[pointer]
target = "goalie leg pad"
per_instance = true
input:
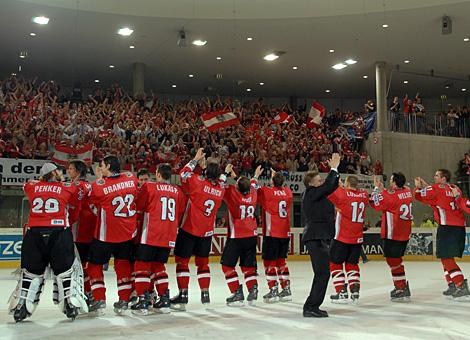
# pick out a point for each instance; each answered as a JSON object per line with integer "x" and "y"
{"x": 70, "y": 285}
{"x": 27, "y": 292}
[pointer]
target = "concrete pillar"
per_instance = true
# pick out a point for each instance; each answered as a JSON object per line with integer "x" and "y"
{"x": 138, "y": 77}
{"x": 381, "y": 96}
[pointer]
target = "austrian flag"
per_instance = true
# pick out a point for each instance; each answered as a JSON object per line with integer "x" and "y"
{"x": 64, "y": 154}
{"x": 282, "y": 118}
{"x": 316, "y": 114}
{"x": 219, "y": 119}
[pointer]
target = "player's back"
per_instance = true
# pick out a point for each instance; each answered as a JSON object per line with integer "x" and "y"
{"x": 114, "y": 198}
{"x": 204, "y": 199}
{"x": 398, "y": 217}
{"x": 276, "y": 204}
{"x": 241, "y": 212}
{"x": 351, "y": 207}
{"x": 446, "y": 208}
{"x": 84, "y": 220}
{"x": 161, "y": 204}
{"x": 50, "y": 203}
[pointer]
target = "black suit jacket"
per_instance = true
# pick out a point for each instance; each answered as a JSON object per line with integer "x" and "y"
{"x": 318, "y": 211}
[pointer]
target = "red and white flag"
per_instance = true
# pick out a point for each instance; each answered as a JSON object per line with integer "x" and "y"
{"x": 316, "y": 114}
{"x": 219, "y": 119}
{"x": 64, "y": 154}
{"x": 282, "y": 118}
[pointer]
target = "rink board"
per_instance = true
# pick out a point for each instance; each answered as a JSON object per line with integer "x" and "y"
{"x": 421, "y": 246}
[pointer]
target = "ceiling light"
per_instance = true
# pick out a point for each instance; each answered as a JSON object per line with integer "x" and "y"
{"x": 466, "y": 39}
{"x": 97, "y": 80}
{"x": 350, "y": 61}
{"x": 295, "y": 68}
{"x": 405, "y": 82}
{"x": 406, "y": 61}
{"x": 385, "y": 25}
{"x": 191, "y": 75}
{"x": 132, "y": 46}
{"x": 261, "y": 83}
{"x": 23, "y": 54}
{"x": 218, "y": 58}
{"x": 365, "y": 76}
{"x": 173, "y": 86}
{"x": 463, "y": 90}
{"x": 327, "y": 91}
{"x": 339, "y": 66}
{"x": 32, "y": 34}
{"x": 248, "y": 90}
{"x": 125, "y": 31}
{"x": 447, "y": 86}
{"x": 13, "y": 74}
{"x": 199, "y": 42}
{"x": 271, "y": 57}
{"x": 249, "y": 39}
{"x": 111, "y": 66}
{"x": 332, "y": 51}
{"x": 41, "y": 20}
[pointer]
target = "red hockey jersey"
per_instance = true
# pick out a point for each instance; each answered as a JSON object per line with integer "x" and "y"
{"x": 241, "y": 212}
{"x": 162, "y": 205}
{"x": 443, "y": 203}
{"x": 464, "y": 204}
{"x": 276, "y": 204}
{"x": 83, "y": 219}
{"x": 114, "y": 197}
{"x": 350, "y": 213}
{"x": 204, "y": 199}
{"x": 396, "y": 206}
{"x": 50, "y": 203}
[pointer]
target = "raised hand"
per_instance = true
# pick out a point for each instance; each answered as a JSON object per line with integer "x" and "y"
{"x": 199, "y": 155}
{"x": 334, "y": 161}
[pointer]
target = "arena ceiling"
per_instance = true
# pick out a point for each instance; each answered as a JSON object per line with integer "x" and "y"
{"x": 80, "y": 43}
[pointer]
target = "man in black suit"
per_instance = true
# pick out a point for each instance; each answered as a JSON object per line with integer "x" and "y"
{"x": 319, "y": 214}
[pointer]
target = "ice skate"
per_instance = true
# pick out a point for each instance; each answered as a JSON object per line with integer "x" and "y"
{"x": 462, "y": 294}
{"x": 205, "y": 299}
{"x": 354, "y": 290}
{"x": 141, "y": 307}
{"x": 180, "y": 301}
{"x": 272, "y": 296}
{"x": 285, "y": 295}
{"x": 97, "y": 308}
{"x": 237, "y": 298}
{"x": 120, "y": 307}
{"x": 162, "y": 305}
{"x": 450, "y": 290}
{"x": 252, "y": 295}
{"x": 341, "y": 297}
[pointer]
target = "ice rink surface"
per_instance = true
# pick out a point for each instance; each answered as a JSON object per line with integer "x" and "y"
{"x": 427, "y": 316}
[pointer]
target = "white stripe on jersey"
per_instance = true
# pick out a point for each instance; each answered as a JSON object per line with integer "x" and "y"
{"x": 145, "y": 228}
{"x": 337, "y": 224}
{"x": 268, "y": 223}
{"x": 442, "y": 215}
{"x": 102, "y": 236}
{"x": 390, "y": 226}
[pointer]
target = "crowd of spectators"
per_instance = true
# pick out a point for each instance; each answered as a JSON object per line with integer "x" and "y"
{"x": 147, "y": 130}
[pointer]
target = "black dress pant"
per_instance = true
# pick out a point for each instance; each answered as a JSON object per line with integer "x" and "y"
{"x": 319, "y": 251}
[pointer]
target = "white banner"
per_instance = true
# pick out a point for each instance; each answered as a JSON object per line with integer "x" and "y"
{"x": 16, "y": 172}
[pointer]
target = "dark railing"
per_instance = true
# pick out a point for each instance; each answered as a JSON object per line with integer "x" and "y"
{"x": 430, "y": 123}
